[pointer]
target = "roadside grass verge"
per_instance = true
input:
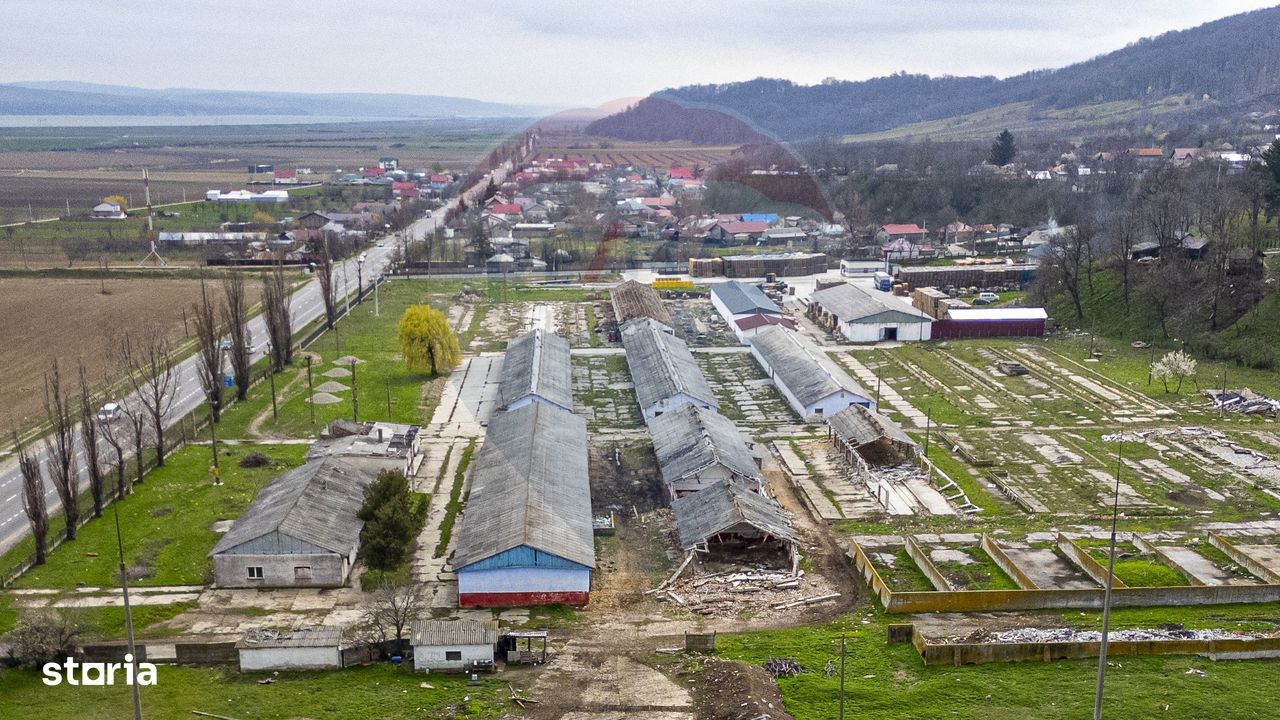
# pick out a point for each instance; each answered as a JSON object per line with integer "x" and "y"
{"x": 166, "y": 523}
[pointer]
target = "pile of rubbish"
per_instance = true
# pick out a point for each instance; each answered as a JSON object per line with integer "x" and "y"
{"x": 1050, "y": 635}
{"x": 727, "y": 593}
{"x": 1245, "y": 401}
{"x": 782, "y": 667}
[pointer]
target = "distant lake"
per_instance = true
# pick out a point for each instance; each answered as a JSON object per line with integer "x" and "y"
{"x": 18, "y": 121}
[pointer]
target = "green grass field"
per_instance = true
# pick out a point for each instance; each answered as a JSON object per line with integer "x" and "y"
{"x": 381, "y": 691}
{"x": 166, "y": 523}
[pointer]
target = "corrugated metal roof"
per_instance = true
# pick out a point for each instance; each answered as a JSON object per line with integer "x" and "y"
{"x": 454, "y": 632}
{"x": 691, "y": 438}
{"x": 537, "y": 363}
{"x": 316, "y": 503}
{"x": 720, "y": 507}
{"x": 661, "y": 364}
{"x": 742, "y": 298}
{"x": 304, "y": 638}
{"x": 851, "y": 304}
{"x": 803, "y": 368}
{"x": 530, "y": 487}
{"x": 1005, "y": 313}
{"x": 633, "y": 300}
{"x": 860, "y": 426}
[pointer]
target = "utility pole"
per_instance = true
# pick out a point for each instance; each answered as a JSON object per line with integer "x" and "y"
{"x": 128, "y": 615}
{"x": 311, "y": 393}
{"x": 274, "y": 416}
{"x": 928, "y": 428}
{"x": 355, "y": 395}
{"x": 213, "y": 440}
{"x": 388, "y": 398}
{"x": 1106, "y": 598}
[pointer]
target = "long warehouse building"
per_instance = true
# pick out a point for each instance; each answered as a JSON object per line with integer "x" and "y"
{"x": 811, "y": 382}
{"x": 526, "y": 536}
{"x": 536, "y": 368}
{"x": 664, "y": 372}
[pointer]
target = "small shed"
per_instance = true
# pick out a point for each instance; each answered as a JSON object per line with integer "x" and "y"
{"x": 307, "y": 649}
{"x": 453, "y": 644}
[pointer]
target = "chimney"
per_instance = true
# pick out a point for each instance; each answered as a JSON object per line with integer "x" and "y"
{"x": 379, "y": 434}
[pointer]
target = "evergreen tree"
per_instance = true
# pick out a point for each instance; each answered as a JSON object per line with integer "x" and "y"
{"x": 1003, "y": 149}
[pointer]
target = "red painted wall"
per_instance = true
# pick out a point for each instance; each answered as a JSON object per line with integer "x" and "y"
{"x": 522, "y": 599}
{"x": 951, "y": 329}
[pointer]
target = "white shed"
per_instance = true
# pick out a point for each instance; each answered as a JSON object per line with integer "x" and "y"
{"x": 311, "y": 649}
{"x": 453, "y": 644}
{"x": 861, "y": 317}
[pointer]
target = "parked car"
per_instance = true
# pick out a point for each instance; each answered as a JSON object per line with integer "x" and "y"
{"x": 109, "y": 412}
{"x": 986, "y": 298}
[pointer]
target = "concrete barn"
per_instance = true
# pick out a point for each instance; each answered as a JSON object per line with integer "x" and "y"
{"x": 310, "y": 649}
{"x": 633, "y": 300}
{"x": 452, "y": 644}
{"x": 697, "y": 448}
{"x": 663, "y": 370}
{"x": 811, "y": 382}
{"x": 536, "y": 369}
{"x": 735, "y": 300}
{"x": 526, "y": 536}
{"x": 727, "y": 515}
{"x": 300, "y": 531}
{"x": 860, "y": 317}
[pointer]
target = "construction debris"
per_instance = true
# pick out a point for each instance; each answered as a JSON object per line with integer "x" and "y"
{"x": 1244, "y": 401}
{"x": 782, "y": 667}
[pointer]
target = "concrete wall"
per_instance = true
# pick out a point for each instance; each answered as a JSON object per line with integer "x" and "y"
{"x": 293, "y": 658}
{"x": 211, "y": 653}
{"x": 1083, "y": 560}
{"x": 433, "y": 657}
{"x": 977, "y": 653}
{"x": 279, "y": 571}
{"x": 921, "y": 558}
{"x": 1243, "y": 558}
{"x": 516, "y": 587}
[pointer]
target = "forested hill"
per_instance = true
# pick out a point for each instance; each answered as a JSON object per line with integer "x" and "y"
{"x": 1231, "y": 61}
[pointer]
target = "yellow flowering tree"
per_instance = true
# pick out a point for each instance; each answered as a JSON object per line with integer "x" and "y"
{"x": 427, "y": 342}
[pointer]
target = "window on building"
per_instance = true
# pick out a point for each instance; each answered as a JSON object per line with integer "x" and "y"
{"x": 255, "y": 572}
{"x": 302, "y": 572}
{"x": 452, "y": 654}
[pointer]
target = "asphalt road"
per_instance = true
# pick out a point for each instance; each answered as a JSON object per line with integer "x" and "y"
{"x": 305, "y": 305}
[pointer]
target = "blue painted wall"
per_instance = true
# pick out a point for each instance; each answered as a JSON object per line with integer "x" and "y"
{"x": 523, "y": 557}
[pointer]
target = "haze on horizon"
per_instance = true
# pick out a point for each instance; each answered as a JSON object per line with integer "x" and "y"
{"x": 560, "y": 52}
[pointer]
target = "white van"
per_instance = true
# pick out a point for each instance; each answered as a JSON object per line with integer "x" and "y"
{"x": 109, "y": 412}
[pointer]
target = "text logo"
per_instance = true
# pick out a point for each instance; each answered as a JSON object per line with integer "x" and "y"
{"x": 97, "y": 673}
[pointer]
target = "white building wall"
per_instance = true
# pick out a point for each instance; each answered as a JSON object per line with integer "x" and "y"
{"x": 524, "y": 580}
{"x": 874, "y": 332}
{"x": 295, "y": 658}
{"x": 834, "y": 403}
{"x": 231, "y": 570}
{"x": 433, "y": 657}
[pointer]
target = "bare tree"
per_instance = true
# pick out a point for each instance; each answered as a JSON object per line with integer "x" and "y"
{"x": 33, "y": 502}
{"x": 324, "y": 272}
{"x": 1123, "y": 232}
{"x": 112, "y": 433}
{"x": 237, "y": 315}
{"x": 89, "y": 440}
{"x": 275, "y": 308}
{"x": 209, "y": 334}
{"x": 154, "y": 378}
{"x": 60, "y": 448}
{"x": 396, "y": 605}
{"x": 1166, "y": 201}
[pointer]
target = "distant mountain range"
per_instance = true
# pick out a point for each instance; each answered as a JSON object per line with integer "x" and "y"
{"x": 1220, "y": 65}
{"x": 77, "y": 98}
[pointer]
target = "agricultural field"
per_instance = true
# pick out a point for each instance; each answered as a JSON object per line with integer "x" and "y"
{"x": 37, "y": 328}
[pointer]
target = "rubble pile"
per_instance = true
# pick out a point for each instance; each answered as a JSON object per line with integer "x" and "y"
{"x": 782, "y": 667}
{"x": 756, "y": 588}
{"x": 1049, "y": 635}
{"x": 1243, "y": 401}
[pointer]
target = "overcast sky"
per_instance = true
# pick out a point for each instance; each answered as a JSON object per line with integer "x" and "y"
{"x": 560, "y": 52}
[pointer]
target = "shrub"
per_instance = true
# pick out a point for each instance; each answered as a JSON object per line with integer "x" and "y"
{"x": 255, "y": 460}
{"x": 43, "y": 636}
{"x": 1253, "y": 352}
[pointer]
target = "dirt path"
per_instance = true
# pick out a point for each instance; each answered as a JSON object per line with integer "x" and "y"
{"x": 254, "y": 428}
